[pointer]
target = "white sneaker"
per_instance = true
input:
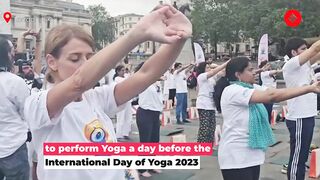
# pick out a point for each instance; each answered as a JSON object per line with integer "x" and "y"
{"x": 284, "y": 169}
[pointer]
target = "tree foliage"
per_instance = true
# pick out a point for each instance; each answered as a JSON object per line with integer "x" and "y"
{"x": 222, "y": 20}
{"x": 102, "y": 26}
{"x": 215, "y": 21}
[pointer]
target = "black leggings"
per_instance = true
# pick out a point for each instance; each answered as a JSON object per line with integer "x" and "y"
{"x": 249, "y": 173}
{"x": 172, "y": 95}
{"x": 207, "y": 126}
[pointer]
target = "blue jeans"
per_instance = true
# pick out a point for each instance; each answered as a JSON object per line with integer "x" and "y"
{"x": 181, "y": 108}
{"x": 15, "y": 166}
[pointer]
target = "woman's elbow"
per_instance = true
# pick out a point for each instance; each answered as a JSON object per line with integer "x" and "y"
{"x": 78, "y": 83}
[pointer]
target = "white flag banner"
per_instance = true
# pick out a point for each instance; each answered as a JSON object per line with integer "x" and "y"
{"x": 263, "y": 49}
{"x": 198, "y": 52}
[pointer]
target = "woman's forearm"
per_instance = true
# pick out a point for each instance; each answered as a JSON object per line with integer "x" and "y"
{"x": 150, "y": 72}
{"x": 216, "y": 70}
{"x": 157, "y": 64}
{"x": 278, "y": 95}
{"x": 37, "y": 58}
{"x": 102, "y": 62}
{"x": 20, "y": 44}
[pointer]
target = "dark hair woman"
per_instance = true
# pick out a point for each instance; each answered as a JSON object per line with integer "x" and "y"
{"x": 205, "y": 104}
{"x": 119, "y": 72}
{"x": 246, "y": 130}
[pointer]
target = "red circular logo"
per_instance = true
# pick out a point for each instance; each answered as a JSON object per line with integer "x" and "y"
{"x": 292, "y": 18}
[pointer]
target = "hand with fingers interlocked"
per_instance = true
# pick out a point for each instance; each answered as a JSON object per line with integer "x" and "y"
{"x": 164, "y": 25}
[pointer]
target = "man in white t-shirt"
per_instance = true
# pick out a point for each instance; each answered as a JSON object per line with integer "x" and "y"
{"x": 180, "y": 77}
{"x": 13, "y": 135}
{"x": 302, "y": 110}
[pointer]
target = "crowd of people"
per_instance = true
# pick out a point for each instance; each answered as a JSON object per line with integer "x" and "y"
{"x": 73, "y": 100}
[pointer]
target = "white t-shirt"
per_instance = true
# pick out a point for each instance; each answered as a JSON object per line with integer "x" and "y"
{"x": 110, "y": 75}
{"x": 84, "y": 121}
{"x": 119, "y": 79}
{"x": 267, "y": 80}
{"x": 108, "y": 78}
{"x": 151, "y": 99}
{"x": 181, "y": 82}
{"x": 126, "y": 75}
{"x": 13, "y": 93}
{"x": 169, "y": 82}
{"x": 234, "y": 151}
{"x": 205, "y": 92}
{"x": 296, "y": 76}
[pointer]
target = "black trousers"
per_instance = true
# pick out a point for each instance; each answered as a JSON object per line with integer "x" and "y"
{"x": 249, "y": 173}
{"x": 148, "y": 123}
{"x": 172, "y": 95}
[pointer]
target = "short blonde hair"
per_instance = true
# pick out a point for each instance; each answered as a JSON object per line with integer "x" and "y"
{"x": 59, "y": 36}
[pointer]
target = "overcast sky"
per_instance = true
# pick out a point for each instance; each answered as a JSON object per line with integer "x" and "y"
{"x": 118, "y": 7}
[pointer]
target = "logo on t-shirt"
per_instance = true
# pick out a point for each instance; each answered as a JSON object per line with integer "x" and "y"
{"x": 95, "y": 132}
